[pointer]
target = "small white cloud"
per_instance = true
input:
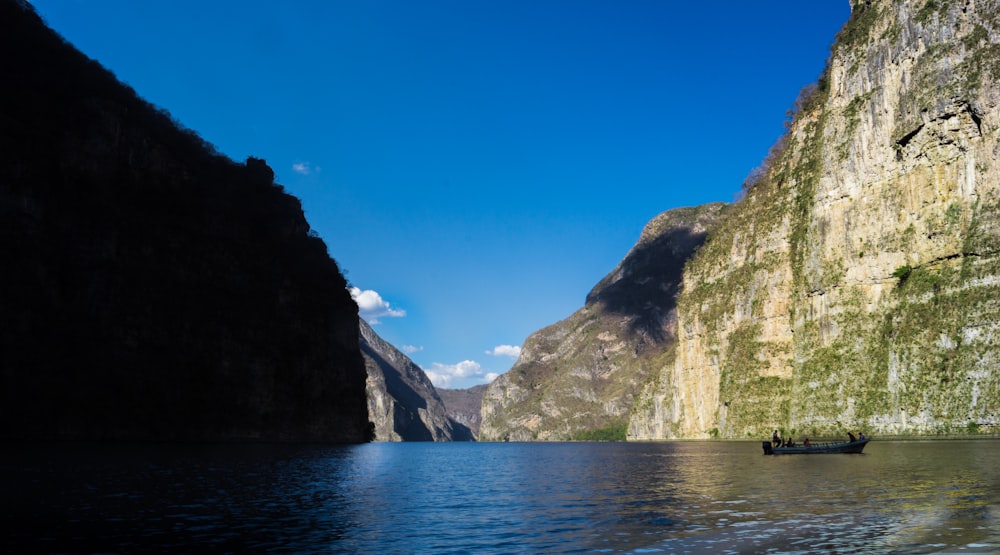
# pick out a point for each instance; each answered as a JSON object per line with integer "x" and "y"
{"x": 490, "y": 376}
{"x": 410, "y": 349}
{"x": 512, "y": 351}
{"x": 371, "y": 306}
{"x": 304, "y": 168}
{"x": 442, "y": 375}
{"x": 439, "y": 380}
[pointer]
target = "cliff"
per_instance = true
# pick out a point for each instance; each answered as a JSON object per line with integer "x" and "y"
{"x": 152, "y": 289}
{"x": 856, "y": 284}
{"x": 578, "y": 379}
{"x": 465, "y": 406}
{"x": 402, "y": 402}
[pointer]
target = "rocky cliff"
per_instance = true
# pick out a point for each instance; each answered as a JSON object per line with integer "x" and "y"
{"x": 465, "y": 406}
{"x": 150, "y": 288}
{"x": 856, "y": 285}
{"x": 578, "y": 379}
{"x": 402, "y": 402}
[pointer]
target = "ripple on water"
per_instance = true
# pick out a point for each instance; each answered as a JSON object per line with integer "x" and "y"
{"x": 505, "y": 498}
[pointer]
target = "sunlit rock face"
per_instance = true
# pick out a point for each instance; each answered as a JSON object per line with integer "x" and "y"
{"x": 856, "y": 284}
{"x": 150, "y": 288}
{"x": 402, "y": 402}
{"x": 578, "y": 379}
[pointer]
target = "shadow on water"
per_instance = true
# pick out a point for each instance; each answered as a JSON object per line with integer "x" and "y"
{"x": 692, "y": 497}
{"x": 82, "y": 498}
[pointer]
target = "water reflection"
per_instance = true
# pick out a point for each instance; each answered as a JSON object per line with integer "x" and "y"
{"x": 130, "y": 498}
{"x": 900, "y": 497}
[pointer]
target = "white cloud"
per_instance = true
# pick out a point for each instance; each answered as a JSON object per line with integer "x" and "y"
{"x": 512, "y": 351}
{"x": 490, "y": 376}
{"x": 304, "y": 168}
{"x": 442, "y": 375}
{"x": 439, "y": 380}
{"x": 371, "y": 306}
{"x": 410, "y": 349}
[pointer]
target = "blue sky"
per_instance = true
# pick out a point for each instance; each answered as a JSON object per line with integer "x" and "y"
{"x": 475, "y": 166}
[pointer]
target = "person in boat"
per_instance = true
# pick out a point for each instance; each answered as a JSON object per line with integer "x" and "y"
{"x": 776, "y": 439}
{"x": 806, "y": 442}
{"x": 851, "y": 436}
{"x": 861, "y": 436}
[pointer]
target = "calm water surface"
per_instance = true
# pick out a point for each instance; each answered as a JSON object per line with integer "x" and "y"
{"x": 689, "y": 497}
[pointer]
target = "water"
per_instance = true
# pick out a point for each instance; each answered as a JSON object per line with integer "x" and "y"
{"x": 689, "y": 497}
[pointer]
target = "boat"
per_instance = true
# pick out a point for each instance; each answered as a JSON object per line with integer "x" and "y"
{"x": 856, "y": 446}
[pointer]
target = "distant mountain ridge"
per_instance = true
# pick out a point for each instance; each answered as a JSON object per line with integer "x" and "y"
{"x": 580, "y": 377}
{"x": 465, "y": 405}
{"x": 153, "y": 289}
{"x": 403, "y": 404}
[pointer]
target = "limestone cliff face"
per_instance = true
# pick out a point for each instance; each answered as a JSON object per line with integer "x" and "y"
{"x": 402, "y": 402}
{"x": 579, "y": 377}
{"x": 856, "y": 284}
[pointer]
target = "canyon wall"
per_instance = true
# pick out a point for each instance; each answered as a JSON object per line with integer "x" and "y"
{"x": 150, "y": 288}
{"x": 856, "y": 284}
{"x": 403, "y": 404}
{"x": 578, "y": 378}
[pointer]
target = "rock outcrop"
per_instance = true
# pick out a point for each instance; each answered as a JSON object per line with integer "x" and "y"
{"x": 578, "y": 379}
{"x": 856, "y": 285}
{"x": 402, "y": 402}
{"x": 465, "y": 406}
{"x": 152, "y": 289}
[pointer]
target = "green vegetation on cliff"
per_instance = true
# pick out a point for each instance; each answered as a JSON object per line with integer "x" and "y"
{"x": 855, "y": 284}
{"x": 611, "y": 432}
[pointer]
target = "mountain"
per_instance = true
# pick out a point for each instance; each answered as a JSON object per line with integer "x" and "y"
{"x": 465, "y": 406}
{"x": 153, "y": 289}
{"x": 402, "y": 403}
{"x": 856, "y": 285}
{"x": 578, "y": 379}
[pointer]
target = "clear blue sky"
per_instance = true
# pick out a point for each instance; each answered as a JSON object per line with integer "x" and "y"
{"x": 475, "y": 166}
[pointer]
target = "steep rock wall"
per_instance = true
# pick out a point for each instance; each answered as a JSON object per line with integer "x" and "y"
{"x": 855, "y": 286}
{"x": 402, "y": 402}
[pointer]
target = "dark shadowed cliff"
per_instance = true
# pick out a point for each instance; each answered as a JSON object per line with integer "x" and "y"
{"x": 402, "y": 402}
{"x": 151, "y": 288}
